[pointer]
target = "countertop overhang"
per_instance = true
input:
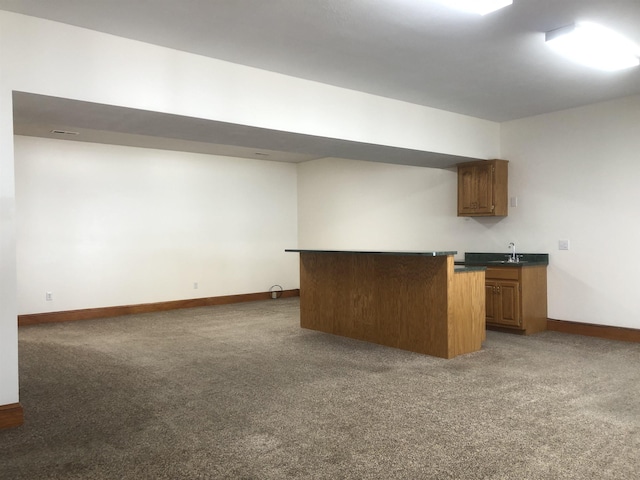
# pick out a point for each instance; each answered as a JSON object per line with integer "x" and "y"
{"x": 376, "y": 252}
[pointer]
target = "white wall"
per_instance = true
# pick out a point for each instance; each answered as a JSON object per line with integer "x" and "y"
{"x": 102, "y": 225}
{"x": 346, "y": 204}
{"x": 8, "y": 286}
{"x": 43, "y": 57}
{"x": 575, "y": 174}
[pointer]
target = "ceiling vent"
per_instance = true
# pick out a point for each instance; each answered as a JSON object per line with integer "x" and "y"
{"x": 64, "y": 132}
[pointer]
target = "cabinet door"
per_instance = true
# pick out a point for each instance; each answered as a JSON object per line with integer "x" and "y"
{"x": 508, "y": 304}
{"x": 475, "y": 189}
{"x": 490, "y": 289}
{"x": 484, "y": 188}
{"x": 467, "y": 190}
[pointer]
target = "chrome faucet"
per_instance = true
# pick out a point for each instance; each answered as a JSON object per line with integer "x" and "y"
{"x": 513, "y": 258}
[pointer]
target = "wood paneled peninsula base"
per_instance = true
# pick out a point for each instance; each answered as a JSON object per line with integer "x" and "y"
{"x": 417, "y": 301}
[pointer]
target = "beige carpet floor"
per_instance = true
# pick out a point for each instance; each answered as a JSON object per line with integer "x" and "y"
{"x": 242, "y": 392}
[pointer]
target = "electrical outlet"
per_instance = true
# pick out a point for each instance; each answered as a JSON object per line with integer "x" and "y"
{"x": 563, "y": 244}
{"x": 49, "y": 297}
{"x": 195, "y": 285}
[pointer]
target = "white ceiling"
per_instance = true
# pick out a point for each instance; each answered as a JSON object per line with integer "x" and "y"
{"x": 495, "y": 67}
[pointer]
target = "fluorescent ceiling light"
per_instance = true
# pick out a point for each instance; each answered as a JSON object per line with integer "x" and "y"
{"x": 595, "y": 46}
{"x": 481, "y": 7}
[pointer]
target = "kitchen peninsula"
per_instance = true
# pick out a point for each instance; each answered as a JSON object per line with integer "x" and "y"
{"x": 417, "y": 301}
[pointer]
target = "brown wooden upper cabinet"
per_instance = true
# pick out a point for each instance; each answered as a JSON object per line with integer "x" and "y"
{"x": 482, "y": 188}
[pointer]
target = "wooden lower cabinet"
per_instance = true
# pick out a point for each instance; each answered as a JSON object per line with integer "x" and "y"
{"x": 516, "y": 298}
{"x": 503, "y": 303}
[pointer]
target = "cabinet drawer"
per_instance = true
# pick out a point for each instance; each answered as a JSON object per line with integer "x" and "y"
{"x": 506, "y": 273}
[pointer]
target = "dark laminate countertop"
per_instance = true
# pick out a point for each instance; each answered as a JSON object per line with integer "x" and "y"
{"x": 376, "y": 252}
{"x": 500, "y": 260}
{"x": 460, "y": 268}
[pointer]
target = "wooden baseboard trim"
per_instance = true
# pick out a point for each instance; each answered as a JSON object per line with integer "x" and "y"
{"x": 11, "y": 415}
{"x": 92, "y": 313}
{"x": 592, "y": 330}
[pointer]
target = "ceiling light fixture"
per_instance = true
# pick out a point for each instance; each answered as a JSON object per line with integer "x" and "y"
{"x": 595, "y": 46}
{"x": 481, "y": 7}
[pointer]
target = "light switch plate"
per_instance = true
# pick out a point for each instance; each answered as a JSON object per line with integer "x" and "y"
{"x": 563, "y": 244}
